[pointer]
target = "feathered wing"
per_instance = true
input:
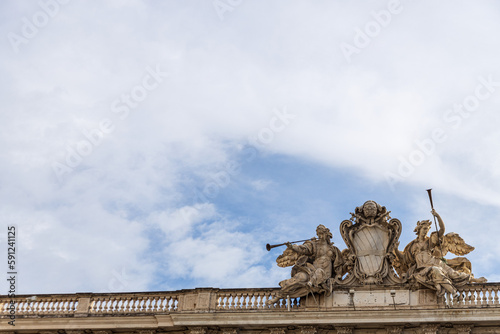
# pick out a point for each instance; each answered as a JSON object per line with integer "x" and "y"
{"x": 288, "y": 258}
{"x": 452, "y": 242}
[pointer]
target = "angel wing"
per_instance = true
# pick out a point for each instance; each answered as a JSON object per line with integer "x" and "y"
{"x": 452, "y": 242}
{"x": 288, "y": 258}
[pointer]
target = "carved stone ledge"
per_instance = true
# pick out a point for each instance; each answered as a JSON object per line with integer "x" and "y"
{"x": 75, "y": 331}
{"x": 277, "y": 330}
{"x": 344, "y": 330}
{"x": 102, "y": 332}
{"x": 308, "y": 330}
{"x": 394, "y": 329}
{"x": 430, "y": 329}
{"x": 463, "y": 329}
{"x": 147, "y": 331}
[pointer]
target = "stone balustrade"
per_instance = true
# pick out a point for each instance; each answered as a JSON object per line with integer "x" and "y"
{"x": 241, "y": 300}
{"x": 475, "y": 295}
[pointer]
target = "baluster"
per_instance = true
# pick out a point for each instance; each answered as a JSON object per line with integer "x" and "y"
{"x": 95, "y": 305}
{"x": 131, "y": 304}
{"x": 98, "y": 303}
{"x": 118, "y": 304}
{"x": 19, "y": 307}
{"x": 258, "y": 297}
{"x": 124, "y": 307}
{"x": 466, "y": 296}
{"x": 490, "y": 296}
{"x": 104, "y": 305}
{"x": 241, "y": 300}
{"x": 496, "y": 295}
{"x": 60, "y": 306}
{"x": 224, "y": 302}
{"x": 460, "y": 299}
{"x": 233, "y": 302}
{"x": 159, "y": 304}
{"x": 166, "y": 304}
{"x": 239, "y": 297}
{"x": 151, "y": 304}
{"x": 134, "y": 304}
{"x": 138, "y": 305}
{"x": 50, "y": 305}
{"x": 246, "y": 298}
{"x": 473, "y": 296}
{"x": 176, "y": 303}
{"x": 484, "y": 300}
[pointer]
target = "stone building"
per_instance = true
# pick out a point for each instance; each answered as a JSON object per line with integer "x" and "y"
{"x": 369, "y": 287}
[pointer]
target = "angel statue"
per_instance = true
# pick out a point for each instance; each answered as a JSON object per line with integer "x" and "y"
{"x": 313, "y": 262}
{"x": 422, "y": 259}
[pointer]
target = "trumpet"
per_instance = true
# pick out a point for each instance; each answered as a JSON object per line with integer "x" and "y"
{"x": 269, "y": 247}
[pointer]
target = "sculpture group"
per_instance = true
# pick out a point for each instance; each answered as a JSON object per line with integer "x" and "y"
{"x": 372, "y": 257}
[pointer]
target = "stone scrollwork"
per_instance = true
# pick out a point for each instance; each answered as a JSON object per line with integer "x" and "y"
{"x": 430, "y": 329}
{"x": 198, "y": 330}
{"x": 463, "y": 329}
{"x": 371, "y": 236}
{"x": 344, "y": 330}
{"x": 277, "y": 330}
{"x": 229, "y": 330}
{"x": 308, "y": 330}
{"x": 372, "y": 257}
{"x": 394, "y": 329}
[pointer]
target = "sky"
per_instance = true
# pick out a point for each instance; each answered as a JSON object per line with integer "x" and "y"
{"x": 159, "y": 145}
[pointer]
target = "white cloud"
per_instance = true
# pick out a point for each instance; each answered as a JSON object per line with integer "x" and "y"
{"x": 226, "y": 78}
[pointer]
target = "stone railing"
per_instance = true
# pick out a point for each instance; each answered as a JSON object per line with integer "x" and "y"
{"x": 222, "y": 300}
{"x": 234, "y": 300}
{"x": 475, "y": 295}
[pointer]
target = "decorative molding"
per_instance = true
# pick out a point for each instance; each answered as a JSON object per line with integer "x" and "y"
{"x": 430, "y": 328}
{"x": 230, "y": 330}
{"x": 344, "y": 330}
{"x": 394, "y": 329}
{"x": 198, "y": 330}
{"x": 463, "y": 329}
{"x": 308, "y": 330}
{"x": 277, "y": 330}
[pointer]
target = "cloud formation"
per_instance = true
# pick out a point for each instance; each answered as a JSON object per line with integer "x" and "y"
{"x": 171, "y": 121}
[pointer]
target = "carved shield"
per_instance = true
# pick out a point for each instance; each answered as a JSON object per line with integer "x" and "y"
{"x": 370, "y": 245}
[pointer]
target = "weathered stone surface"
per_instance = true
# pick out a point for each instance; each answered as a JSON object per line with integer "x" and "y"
{"x": 372, "y": 257}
